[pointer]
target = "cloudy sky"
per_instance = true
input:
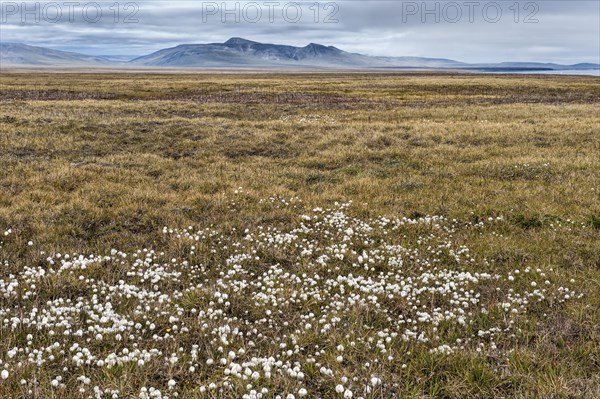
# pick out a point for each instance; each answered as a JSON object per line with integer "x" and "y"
{"x": 465, "y": 30}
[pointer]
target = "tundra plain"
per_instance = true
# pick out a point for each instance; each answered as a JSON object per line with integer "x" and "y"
{"x": 291, "y": 235}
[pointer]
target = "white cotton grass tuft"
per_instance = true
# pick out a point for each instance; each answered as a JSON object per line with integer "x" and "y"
{"x": 271, "y": 304}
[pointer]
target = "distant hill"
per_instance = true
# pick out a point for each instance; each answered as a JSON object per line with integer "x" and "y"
{"x": 22, "y": 54}
{"x": 539, "y": 65}
{"x": 242, "y": 53}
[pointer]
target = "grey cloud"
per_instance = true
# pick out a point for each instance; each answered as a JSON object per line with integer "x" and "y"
{"x": 567, "y": 32}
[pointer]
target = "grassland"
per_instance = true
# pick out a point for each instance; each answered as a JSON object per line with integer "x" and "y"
{"x": 506, "y": 166}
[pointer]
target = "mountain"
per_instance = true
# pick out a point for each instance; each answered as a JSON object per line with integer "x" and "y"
{"x": 242, "y": 53}
{"x": 238, "y": 52}
{"x": 22, "y": 54}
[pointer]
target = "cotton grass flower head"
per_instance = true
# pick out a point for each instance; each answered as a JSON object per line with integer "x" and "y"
{"x": 257, "y": 311}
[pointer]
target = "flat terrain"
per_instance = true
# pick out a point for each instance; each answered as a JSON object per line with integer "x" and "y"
{"x": 316, "y": 235}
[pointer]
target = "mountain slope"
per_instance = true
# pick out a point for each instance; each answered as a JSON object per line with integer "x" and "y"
{"x": 242, "y": 52}
{"x": 22, "y": 54}
{"x": 239, "y": 52}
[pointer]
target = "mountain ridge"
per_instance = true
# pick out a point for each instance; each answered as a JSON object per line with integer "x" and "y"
{"x": 238, "y": 52}
{"x": 23, "y": 54}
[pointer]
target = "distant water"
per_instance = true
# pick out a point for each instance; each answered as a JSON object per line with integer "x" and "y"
{"x": 585, "y": 72}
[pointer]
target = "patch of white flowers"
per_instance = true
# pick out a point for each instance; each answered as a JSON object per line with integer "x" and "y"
{"x": 265, "y": 313}
{"x": 312, "y": 119}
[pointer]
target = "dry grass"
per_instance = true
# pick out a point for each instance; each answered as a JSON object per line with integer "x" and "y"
{"x": 91, "y": 162}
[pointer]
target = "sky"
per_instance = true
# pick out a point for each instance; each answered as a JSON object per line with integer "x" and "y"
{"x": 466, "y": 30}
